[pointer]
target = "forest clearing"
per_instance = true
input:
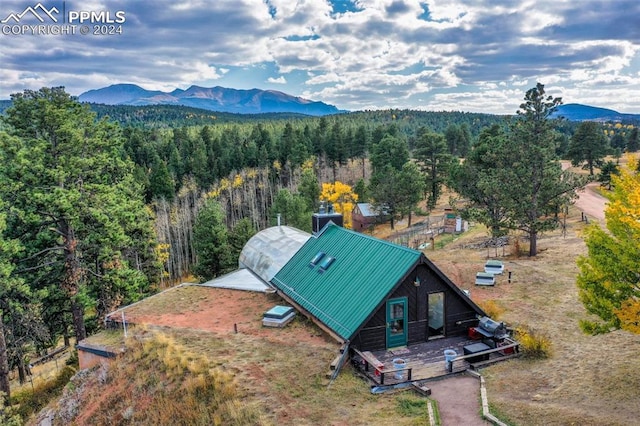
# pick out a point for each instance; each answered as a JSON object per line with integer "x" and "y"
{"x": 588, "y": 380}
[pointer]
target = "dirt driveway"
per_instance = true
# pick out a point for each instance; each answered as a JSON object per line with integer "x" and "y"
{"x": 591, "y": 203}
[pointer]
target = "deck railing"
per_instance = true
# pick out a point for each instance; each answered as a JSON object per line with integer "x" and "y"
{"x": 508, "y": 344}
{"x": 371, "y": 362}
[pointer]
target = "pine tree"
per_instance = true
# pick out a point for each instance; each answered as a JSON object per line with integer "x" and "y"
{"x": 534, "y": 184}
{"x": 588, "y": 145}
{"x": 633, "y": 140}
{"x": 13, "y": 292}
{"x": 75, "y": 206}
{"x": 435, "y": 161}
{"x": 211, "y": 242}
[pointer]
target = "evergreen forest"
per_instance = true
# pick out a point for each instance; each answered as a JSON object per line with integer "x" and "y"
{"x": 104, "y": 205}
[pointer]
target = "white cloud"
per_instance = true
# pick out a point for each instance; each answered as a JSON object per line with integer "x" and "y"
{"x": 469, "y": 55}
{"x": 279, "y": 80}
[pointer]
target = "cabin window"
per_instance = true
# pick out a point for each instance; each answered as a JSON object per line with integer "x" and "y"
{"x": 435, "y": 305}
{"x": 397, "y": 315}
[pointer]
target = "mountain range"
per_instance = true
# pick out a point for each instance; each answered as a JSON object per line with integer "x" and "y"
{"x": 220, "y": 99}
{"x": 256, "y": 101}
{"x": 579, "y": 112}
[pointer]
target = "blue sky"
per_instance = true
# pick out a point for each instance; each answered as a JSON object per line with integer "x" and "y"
{"x": 472, "y": 55}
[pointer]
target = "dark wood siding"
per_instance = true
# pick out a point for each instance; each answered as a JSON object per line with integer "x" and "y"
{"x": 457, "y": 311}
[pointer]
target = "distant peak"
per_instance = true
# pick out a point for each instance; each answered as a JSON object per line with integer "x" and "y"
{"x": 252, "y": 101}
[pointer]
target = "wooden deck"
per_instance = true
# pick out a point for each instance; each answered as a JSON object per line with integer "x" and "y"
{"x": 425, "y": 361}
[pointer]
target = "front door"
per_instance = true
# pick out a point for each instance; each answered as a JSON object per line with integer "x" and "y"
{"x": 396, "y": 322}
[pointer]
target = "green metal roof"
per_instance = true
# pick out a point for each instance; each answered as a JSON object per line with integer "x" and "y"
{"x": 364, "y": 272}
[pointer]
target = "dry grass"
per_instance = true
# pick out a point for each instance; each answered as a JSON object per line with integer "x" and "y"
{"x": 42, "y": 373}
{"x": 587, "y": 380}
{"x": 289, "y": 380}
{"x": 257, "y": 381}
{"x": 180, "y": 295}
{"x": 157, "y": 381}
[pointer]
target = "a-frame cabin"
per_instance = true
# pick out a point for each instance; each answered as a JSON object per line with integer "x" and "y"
{"x": 372, "y": 293}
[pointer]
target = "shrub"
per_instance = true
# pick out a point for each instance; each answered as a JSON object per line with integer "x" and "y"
{"x": 533, "y": 344}
{"x": 517, "y": 247}
{"x": 491, "y": 308}
{"x": 31, "y": 401}
{"x": 8, "y": 417}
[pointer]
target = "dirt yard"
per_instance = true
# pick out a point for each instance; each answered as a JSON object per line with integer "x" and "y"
{"x": 217, "y": 310}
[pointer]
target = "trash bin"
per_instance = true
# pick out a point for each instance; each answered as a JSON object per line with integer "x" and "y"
{"x": 399, "y": 363}
{"x": 449, "y": 356}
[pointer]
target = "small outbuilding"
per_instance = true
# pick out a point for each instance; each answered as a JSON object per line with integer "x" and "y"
{"x": 364, "y": 216}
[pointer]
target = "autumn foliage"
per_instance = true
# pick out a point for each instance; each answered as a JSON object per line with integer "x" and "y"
{"x": 609, "y": 278}
{"x": 342, "y": 197}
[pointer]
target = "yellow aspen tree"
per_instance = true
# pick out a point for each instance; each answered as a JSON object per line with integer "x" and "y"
{"x": 609, "y": 278}
{"x": 342, "y": 197}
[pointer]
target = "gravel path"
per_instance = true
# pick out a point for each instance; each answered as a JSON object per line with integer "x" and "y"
{"x": 458, "y": 401}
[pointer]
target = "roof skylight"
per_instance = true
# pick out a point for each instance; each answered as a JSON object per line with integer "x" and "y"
{"x": 324, "y": 265}
{"x": 316, "y": 259}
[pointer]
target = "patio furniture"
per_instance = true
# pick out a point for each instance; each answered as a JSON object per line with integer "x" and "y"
{"x": 474, "y": 349}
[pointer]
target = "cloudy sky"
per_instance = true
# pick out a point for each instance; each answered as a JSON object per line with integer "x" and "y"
{"x": 464, "y": 55}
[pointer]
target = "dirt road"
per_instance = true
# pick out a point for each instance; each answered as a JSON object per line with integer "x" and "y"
{"x": 592, "y": 203}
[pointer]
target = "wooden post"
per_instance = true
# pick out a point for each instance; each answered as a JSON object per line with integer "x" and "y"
{"x": 235, "y": 328}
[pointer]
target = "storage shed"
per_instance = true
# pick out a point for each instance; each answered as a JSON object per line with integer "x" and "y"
{"x": 372, "y": 293}
{"x": 363, "y": 216}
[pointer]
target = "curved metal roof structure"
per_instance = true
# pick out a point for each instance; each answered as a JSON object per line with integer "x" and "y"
{"x": 270, "y": 249}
